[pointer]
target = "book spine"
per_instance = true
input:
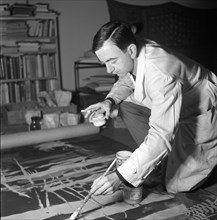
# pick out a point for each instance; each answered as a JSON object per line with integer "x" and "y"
{"x": 28, "y": 90}
{"x": 39, "y": 66}
{"x": 2, "y": 70}
{"x": 22, "y": 92}
{"x": 17, "y": 92}
{"x": 4, "y": 94}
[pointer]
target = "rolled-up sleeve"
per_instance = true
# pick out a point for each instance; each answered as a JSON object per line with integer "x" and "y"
{"x": 165, "y": 94}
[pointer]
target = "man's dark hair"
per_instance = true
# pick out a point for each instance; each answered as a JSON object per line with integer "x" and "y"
{"x": 119, "y": 33}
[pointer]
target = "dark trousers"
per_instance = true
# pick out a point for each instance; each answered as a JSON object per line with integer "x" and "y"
{"x": 136, "y": 119}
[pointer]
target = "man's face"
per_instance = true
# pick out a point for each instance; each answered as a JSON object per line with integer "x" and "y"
{"x": 117, "y": 62}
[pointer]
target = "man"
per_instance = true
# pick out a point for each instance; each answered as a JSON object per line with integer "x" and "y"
{"x": 182, "y": 97}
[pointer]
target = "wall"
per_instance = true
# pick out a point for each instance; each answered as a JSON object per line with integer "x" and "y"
{"x": 189, "y": 3}
{"x": 78, "y": 22}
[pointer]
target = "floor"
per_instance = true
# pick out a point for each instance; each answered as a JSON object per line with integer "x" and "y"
{"x": 123, "y": 136}
{"x": 116, "y": 138}
{"x": 120, "y": 135}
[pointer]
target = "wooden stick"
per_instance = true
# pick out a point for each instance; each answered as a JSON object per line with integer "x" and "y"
{"x": 76, "y": 213}
{"x": 109, "y": 168}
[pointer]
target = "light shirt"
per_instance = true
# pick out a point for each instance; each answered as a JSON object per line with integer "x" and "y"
{"x": 175, "y": 88}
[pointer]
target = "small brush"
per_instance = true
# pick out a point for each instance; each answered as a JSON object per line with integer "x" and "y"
{"x": 76, "y": 213}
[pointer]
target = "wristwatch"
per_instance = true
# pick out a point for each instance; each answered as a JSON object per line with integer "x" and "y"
{"x": 111, "y": 100}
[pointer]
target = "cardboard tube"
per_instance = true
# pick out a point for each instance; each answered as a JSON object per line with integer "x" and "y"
{"x": 38, "y": 136}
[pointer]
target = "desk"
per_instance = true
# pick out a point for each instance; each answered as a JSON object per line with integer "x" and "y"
{"x": 80, "y": 64}
{"x": 90, "y": 96}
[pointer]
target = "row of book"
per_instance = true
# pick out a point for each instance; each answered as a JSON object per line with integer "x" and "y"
{"x": 10, "y": 29}
{"x": 24, "y": 91}
{"x": 27, "y": 66}
{"x": 28, "y": 47}
{"x": 41, "y": 28}
{"x": 18, "y": 9}
{"x": 29, "y": 28}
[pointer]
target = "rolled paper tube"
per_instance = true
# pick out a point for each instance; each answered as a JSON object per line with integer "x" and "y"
{"x": 39, "y": 136}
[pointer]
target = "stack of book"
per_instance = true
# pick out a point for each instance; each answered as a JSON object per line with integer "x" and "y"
{"x": 22, "y": 9}
{"x": 13, "y": 29}
{"x": 28, "y": 46}
{"x": 100, "y": 83}
{"x": 43, "y": 9}
{"x": 8, "y": 49}
{"x": 48, "y": 47}
{"x": 27, "y": 66}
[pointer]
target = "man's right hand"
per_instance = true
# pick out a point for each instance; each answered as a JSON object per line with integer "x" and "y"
{"x": 105, "y": 185}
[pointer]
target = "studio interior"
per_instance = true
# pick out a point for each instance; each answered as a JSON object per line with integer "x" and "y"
{"x": 50, "y": 152}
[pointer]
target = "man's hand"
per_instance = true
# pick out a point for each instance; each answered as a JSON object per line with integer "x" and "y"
{"x": 99, "y": 108}
{"x": 105, "y": 185}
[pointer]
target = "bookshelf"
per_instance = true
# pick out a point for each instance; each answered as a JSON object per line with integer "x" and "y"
{"x": 29, "y": 55}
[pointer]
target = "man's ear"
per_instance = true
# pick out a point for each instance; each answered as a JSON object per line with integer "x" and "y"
{"x": 132, "y": 50}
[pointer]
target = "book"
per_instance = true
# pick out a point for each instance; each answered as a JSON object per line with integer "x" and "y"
{"x": 33, "y": 90}
{"x": 5, "y": 13}
{"x": 32, "y": 27}
{"x": 97, "y": 87}
{"x": 4, "y": 7}
{"x": 39, "y": 66}
{"x": 22, "y": 92}
{"x": 4, "y": 10}
{"x": 89, "y": 60}
{"x": 42, "y": 7}
{"x": 2, "y": 68}
{"x": 102, "y": 78}
{"x": 8, "y": 49}
{"x": 48, "y": 47}
{"x": 22, "y": 9}
{"x": 4, "y": 96}
{"x": 24, "y": 66}
{"x": 45, "y": 62}
{"x": 28, "y": 66}
{"x": 52, "y": 84}
{"x": 28, "y": 46}
{"x": 51, "y": 31}
{"x": 17, "y": 92}
{"x": 11, "y": 92}
{"x": 103, "y": 88}
{"x": 52, "y": 65}
{"x": 27, "y": 91}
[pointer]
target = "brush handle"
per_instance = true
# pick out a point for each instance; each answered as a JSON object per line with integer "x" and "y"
{"x": 76, "y": 213}
{"x": 109, "y": 168}
{"x": 90, "y": 194}
{"x": 84, "y": 201}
